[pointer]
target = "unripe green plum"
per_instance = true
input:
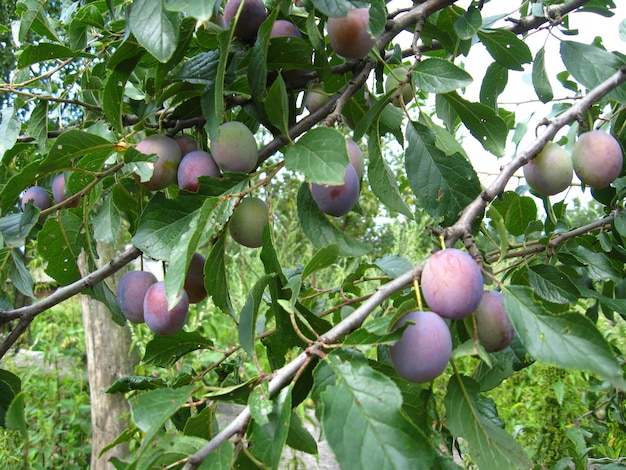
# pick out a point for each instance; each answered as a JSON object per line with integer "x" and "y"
{"x": 597, "y": 157}
{"x": 194, "y": 280}
{"x": 39, "y": 197}
{"x": 186, "y": 143}
{"x": 424, "y": 350}
{"x": 252, "y": 15}
{"x": 494, "y": 328}
{"x": 551, "y": 171}
{"x": 164, "y": 170}
{"x": 356, "y": 157}
{"x": 60, "y": 192}
{"x": 235, "y": 149}
{"x": 193, "y": 165}
{"x": 131, "y": 291}
{"x": 248, "y": 221}
{"x": 452, "y": 283}
{"x": 161, "y": 320}
{"x": 406, "y": 92}
{"x": 315, "y": 97}
{"x": 349, "y": 36}
{"x": 338, "y": 200}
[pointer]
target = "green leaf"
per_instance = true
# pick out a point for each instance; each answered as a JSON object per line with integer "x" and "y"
{"x": 443, "y": 184}
{"x": 490, "y": 446}
{"x": 570, "y": 341}
{"x": 169, "y": 451}
{"x": 516, "y": 211}
{"x": 323, "y": 258}
{"x": 321, "y": 154}
{"x": 155, "y": 28}
{"x": 375, "y": 331}
{"x": 277, "y": 105}
{"x": 9, "y": 130}
{"x": 541, "y": 82}
{"x": 215, "y": 277}
{"x": 482, "y": 122}
{"x": 506, "y": 48}
{"x": 136, "y": 382}
{"x": 439, "y": 76}
{"x": 222, "y": 458}
{"x": 394, "y": 265}
{"x": 33, "y": 18}
{"x": 598, "y": 265}
{"x": 212, "y": 99}
{"x": 200, "y": 68}
{"x": 45, "y": 51}
{"x": 38, "y": 125}
{"x": 552, "y": 284}
{"x": 164, "y": 351}
{"x": 10, "y": 386}
{"x": 200, "y": 10}
{"x": 299, "y": 438}
{"x": 360, "y": 412}
{"x": 338, "y": 8}
{"x": 494, "y": 83}
{"x": 60, "y": 242}
{"x": 248, "y": 315}
{"x": 15, "y": 418}
{"x": 469, "y": 23}
{"x": 321, "y": 231}
{"x": 107, "y": 222}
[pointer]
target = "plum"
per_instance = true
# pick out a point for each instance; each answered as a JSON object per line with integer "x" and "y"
{"x": 161, "y": 320}
{"x": 284, "y": 28}
{"x": 356, "y": 157}
{"x": 597, "y": 157}
{"x": 39, "y": 197}
{"x": 193, "y": 165}
{"x": 235, "y": 149}
{"x": 131, "y": 291}
{"x": 551, "y": 171}
{"x": 452, "y": 283}
{"x": 424, "y": 350}
{"x": 252, "y": 15}
{"x": 168, "y": 158}
{"x": 338, "y": 200}
{"x": 399, "y": 79}
{"x": 248, "y": 221}
{"x": 186, "y": 143}
{"x": 348, "y": 35}
{"x": 493, "y": 326}
{"x": 60, "y": 192}
{"x": 194, "y": 280}
{"x": 315, "y": 97}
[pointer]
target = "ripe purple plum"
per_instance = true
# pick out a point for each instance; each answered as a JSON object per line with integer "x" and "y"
{"x": 285, "y": 28}
{"x": 452, "y": 283}
{"x": 60, "y": 192}
{"x": 131, "y": 291}
{"x": 315, "y": 97}
{"x": 235, "y": 148}
{"x": 551, "y": 171}
{"x": 356, "y": 157}
{"x": 39, "y": 197}
{"x": 424, "y": 350}
{"x": 597, "y": 157}
{"x": 194, "y": 280}
{"x": 193, "y": 165}
{"x": 186, "y": 143}
{"x": 399, "y": 79}
{"x": 338, "y": 200}
{"x": 168, "y": 158}
{"x": 349, "y": 36}
{"x": 494, "y": 328}
{"x": 252, "y": 15}
{"x": 161, "y": 320}
{"x": 248, "y": 221}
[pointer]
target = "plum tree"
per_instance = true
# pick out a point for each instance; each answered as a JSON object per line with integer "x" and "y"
{"x": 252, "y": 15}
{"x": 315, "y": 97}
{"x": 285, "y": 28}
{"x": 38, "y": 196}
{"x": 193, "y": 165}
{"x": 452, "y": 283}
{"x": 235, "y": 148}
{"x": 349, "y": 35}
{"x": 597, "y": 157}
{"x": 248, "y": 221}
{"x": 131, "y": 291}
{"x": 356, "y": 157}
{"x": 399, "y": 79}
{"x": 338, "y": 200}
{"x": 60, "y": 192}
{"x": 186, "y": 143}
{"x": 493, "y": 326}
{"x": 159, "y": 318}
{"x": 425, "y": 348}
{"x": 551, "y": 171}
{"x": 164, "y": 170}
{"x": 194, "y": 279}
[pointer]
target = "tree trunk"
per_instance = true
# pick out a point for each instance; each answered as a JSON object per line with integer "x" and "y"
{"x": 108, "y": 359}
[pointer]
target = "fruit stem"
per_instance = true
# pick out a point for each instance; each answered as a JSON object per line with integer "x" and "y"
{"x": 418, "y": 296}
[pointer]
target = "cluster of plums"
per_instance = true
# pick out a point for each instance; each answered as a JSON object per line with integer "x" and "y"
{"x": 452, "y": 285}
{"x": 141, "y": 298}
{"x": 40, "y": 197}
{"x": 597, "y": 159}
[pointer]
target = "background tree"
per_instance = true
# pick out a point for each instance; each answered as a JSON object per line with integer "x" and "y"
{"x": 99, "y": 90}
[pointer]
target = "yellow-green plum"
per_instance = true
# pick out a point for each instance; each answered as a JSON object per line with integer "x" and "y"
{"x": 165, "y": 169}
{"x": 349, "y": 36}
{"x": 194, "y": 279}
{"x": 494, "y": 328}
{"x": 131, "y": 291}
{"x": 248, "y": 221}
{"x": 399, "y": 79}
{"x": 250, "y": 19}
{"x": 38, "y": 196}
{"x": 597, "y": 157}
{"x": 424, "y": 350}
{"x": 551, "y": 171}
{"x": 234, "y": 148}
{"x": 338, "y": 200}
{"x": 452, "y": 283}
{"x": 193, "y": 165}
{"x": 160, "y": 319}
{"x": 315, "y": 97}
